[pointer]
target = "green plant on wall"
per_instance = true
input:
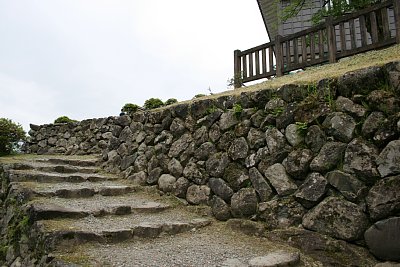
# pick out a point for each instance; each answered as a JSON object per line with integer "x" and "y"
{"x": 302, "y": 128}
{"x": 237, "y": 110}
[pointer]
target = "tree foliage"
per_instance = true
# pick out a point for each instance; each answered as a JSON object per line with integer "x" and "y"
{"x": 334, "y": 8}
{"x": 11, "y": 134}
{"x": 153, "y": 103}
{"x": 171, "y": 101}
{"x": 130, "y": 108}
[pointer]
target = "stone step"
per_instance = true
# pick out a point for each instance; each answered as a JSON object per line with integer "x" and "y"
{"x": 214, "y": 245}
{"x": 48, "y": 167}
{"x": 45, "y": 177}
{"x": 97, "y": 205}
{"x": 81, "y": 162}
{"x": 75, "y": 190}
{"x": 111, "y": 228}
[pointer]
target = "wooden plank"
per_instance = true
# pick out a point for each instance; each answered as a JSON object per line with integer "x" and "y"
{"x": 385, "y": 23}
{"x": 396, "y": 9}
{"x": 331, "y": 40}
{"x": 288, "y": 55}
{"x": 271, "y": 59}
{"x": 312, "y": 46}
{"x": 363, "y": 30}
{"x": 363, "y": 49}
{"x": 296, "y": 51}
{"x": 279, "y": 56}
{"x": 258, "y": 63}
{"x": 321, "y": 44}
{"x": 251, "y": 73}
{"x": 264, "y": 60}
{"x": 237, "y": 69}
{"x": 352, "y": 34}
{"x": 244, "y": 70}
{"x": 342, "y": 37}
{"x": 374, "y": 27}
{"x": 304, "y": 49}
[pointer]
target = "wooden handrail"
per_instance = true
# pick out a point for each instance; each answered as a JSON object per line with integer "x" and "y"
{"x": 319, "y": 44}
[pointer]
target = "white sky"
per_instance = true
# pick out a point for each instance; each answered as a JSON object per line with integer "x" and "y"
{"x": 87, "y": 58}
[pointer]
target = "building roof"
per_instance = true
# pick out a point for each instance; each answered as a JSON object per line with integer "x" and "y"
{"x": 269, "y": 11}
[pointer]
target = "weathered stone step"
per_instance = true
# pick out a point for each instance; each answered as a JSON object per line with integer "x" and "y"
{"x": 44, "y": 177}
{"x": 75, "y": 190}
{"x": 214, "y": 245}
{"x": 98, "y": 205}
{"x": 48, "y": 167}
{"x": 112, "y": 232}
{"x": 82, "y": 162}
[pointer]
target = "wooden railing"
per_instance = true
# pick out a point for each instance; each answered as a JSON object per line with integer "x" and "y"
{"x": 375, "y": 27}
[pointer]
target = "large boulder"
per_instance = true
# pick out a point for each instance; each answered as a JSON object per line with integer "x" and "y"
{"x": 383, "y": 239}
{"x": 261, "y": 186}
{"x": 216, "y": 164}
{"x": 344, "y": 104}
{"x": 281, "y": 213}
{"x": 337, "y": 218}
{"x": 349, "y": 186}
{"x": 389, "y": 159}
{"x": 180, "y": 187}
{"x": 166, "y": 182}
{"x": 220, "y": 209}
{"x": 340, "y": 125}
{"x": 244, "y": 203}
{"x": 194, "y": 173}
{"x": 293, "y": 135}
{"x": 227, "y": 120}
{"x": 297, "y": 163}
{"x": 372, "y": 124}
{"x": 180, "y": 145}
{"x": 221, "y": 188}
{"x": 330, "y": 156}
{"x": 315, "y": 138}
{"x": 360, "y": 160}
{"x": 198, "y": 194}
{"x": 280, "y": 180}
{"x": 175, "y": 167}
{"x": 238, "y": 149}
{"x": 383, "y": 199}
{"x": 312, "y": 190}
{"x": 204, "y": 151}
{"x": 256, "y": 138}
{"x": 236, "y": 175}
{"x": 276, "y": 141}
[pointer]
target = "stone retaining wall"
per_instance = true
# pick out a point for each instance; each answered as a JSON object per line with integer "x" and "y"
{"x": 324, "y": 156}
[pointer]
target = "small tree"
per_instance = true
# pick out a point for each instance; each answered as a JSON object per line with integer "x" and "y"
{"x": 130, "y": 108}
{"x": 153, "y": 103}
{"x": 11, "y": 135}
{"x": 170, "y": 101}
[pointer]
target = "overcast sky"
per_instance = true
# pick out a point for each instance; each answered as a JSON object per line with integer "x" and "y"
{"x": 87, "y": 58}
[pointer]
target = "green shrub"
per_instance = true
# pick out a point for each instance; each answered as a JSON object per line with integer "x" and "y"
{"x": 237, "y": 110}
{"x": 153, "y": 103}
{"x": 11, "y": 135}
{"x": 171, "y": 101}
{"x": 63, "y": 119}
{"x": 199, "y": 95}
{"x": 130, "y": 108}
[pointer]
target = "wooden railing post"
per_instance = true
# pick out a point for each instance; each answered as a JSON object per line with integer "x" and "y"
{"x": 279, "y": 56}
{"x": 330, "y": 31}
{"x": 396, "y": 8}
{"x": 237, "y": 73}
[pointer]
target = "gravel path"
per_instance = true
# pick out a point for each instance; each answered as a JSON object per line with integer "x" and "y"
{"x": 210, "y": 246}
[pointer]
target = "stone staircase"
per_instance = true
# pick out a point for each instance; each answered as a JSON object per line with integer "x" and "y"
{"x": 81, "y": 216}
